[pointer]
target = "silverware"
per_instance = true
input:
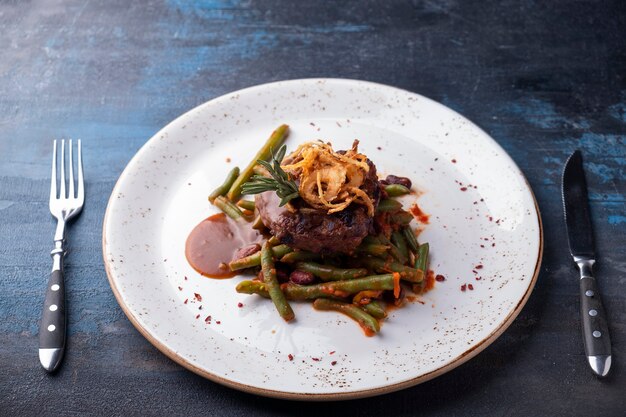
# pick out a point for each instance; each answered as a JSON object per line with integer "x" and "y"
{"x": 580, "y": 234}
{"x": 63, "y": 207}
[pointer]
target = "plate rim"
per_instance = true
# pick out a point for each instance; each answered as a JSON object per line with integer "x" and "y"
{"x": 454, "y": 363}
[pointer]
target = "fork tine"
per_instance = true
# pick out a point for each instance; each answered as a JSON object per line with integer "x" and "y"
{"x": 62, "y": 195}
{"x": 71, "y": 192}
{"x": 53, "y": 176}
{"x": 81, "y": 185}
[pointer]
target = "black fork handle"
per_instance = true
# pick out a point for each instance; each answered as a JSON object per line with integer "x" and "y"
{"x": 53, "y": 322}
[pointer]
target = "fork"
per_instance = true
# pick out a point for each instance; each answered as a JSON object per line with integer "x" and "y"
{"x": 63, "y": 207}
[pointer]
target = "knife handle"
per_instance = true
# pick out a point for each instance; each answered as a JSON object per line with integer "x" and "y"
{"x": 594, "y": 323}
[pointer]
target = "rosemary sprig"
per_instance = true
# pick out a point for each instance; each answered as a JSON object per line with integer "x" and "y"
{"x": 280, "y": 182}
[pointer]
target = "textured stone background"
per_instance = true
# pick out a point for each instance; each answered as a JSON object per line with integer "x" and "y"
{"x": 543, "y": 78}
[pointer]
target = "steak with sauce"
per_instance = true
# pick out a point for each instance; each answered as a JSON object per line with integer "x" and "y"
{"x": 316, "y": 231}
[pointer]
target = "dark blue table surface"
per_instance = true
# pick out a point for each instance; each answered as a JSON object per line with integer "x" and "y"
{"x": 543, "y": 78}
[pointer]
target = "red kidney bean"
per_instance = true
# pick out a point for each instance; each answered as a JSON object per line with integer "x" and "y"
{"x": 302, "y": 277}
{"x": 247, "y": 251}
{"x": 392, "y": 179}
{"x": 282, "y": 275}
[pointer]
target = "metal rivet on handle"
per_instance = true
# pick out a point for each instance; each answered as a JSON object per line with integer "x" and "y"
{"x": 597, "y": 334}
{"x": 589, "y": 293}
{"x": 53, "y": 307}
{"x": 52, "y": 328}
{"x": 593, "y": 313}
{"x": 55, "y": 287}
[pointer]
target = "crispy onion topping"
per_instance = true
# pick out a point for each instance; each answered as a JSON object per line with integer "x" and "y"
{"x": 329, "y": 180}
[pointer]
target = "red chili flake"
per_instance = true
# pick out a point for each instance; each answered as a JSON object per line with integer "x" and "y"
{"x": 463, "y": 188}
{"x": 490, "y": 218}
{"x": 379, "y": 148}
{"x": 218, "y": 322}
{"x": 463, "y": 287}
{"x": 333, "y": 363}
{"x": 479, "y": 266}
{"x": 474, "y": 271}
{"x": 482, "y": 246}
{"x": 290, "y": 356}
{"x": 185, "y": 278}
{"x": 332, "y": 352}
{"x": 200, "y": 308}
{"x": 198, "y": 296}
{"x": 493, "y": 245}
{"x": 470, "y": 286}
{"x": 454, "y": 161}
{"x": 208, "y": 319}
{"x": 180, "y": 288}
{"x": 186, "y": 301}
{"x": 239, "y": 305}
{"x": 479, "y": 278}
{"x": 316, "y": 359}
{"x": 440, "y": 278}
{"x": 198, "y": 316}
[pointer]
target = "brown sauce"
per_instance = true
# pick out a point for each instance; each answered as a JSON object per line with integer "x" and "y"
{"x": 212, "y": 244}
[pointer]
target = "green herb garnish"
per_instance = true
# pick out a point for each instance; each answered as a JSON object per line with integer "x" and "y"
{"x": 280, "y": 181}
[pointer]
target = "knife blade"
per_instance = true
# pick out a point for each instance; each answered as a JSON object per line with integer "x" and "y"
{"x": 580, "y": 235}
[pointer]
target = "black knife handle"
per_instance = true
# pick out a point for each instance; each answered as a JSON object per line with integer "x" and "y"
{"x": 593, "y": 317}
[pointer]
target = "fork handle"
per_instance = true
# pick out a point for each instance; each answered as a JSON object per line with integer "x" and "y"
{"x": 52, "y": 327}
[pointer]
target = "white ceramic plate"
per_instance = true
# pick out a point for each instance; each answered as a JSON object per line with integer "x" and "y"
{"x": 482, "y": 212}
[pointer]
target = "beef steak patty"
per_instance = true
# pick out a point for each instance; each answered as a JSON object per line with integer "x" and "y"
{"x": 316, "y": 231}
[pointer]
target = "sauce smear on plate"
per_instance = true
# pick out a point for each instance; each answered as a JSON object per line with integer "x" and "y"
{"x": 212, "y": 244}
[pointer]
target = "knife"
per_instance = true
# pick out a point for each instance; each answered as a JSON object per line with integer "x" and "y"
{"x": 580, "y": 235}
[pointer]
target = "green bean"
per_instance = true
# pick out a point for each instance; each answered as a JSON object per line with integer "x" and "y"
{"x": 396, "y": 190}
{"x": 375, "y": 309}
{"x": 252, "y": 287}
{"x": 421, "y": 263}
{"x": 273, "y": 143}
{"x": 339, "y": 288}
{"x": 330, "y": 273}
{"x": 393, "y": 250}
{"x": 273, "y": 241}
{"x": 372, "y": 239}
{"x": 369, "y": 323}
{"x": 402, "y": 218}
{"x": 272, "y": 285}
{"x": 255, "y": 259}
{"x": 411, "y": 240}
{"x": 228, "y": 208}
{"x": 246, "y": 204}
{"x": 372, "y": 249}
{"x": 400, "y": 244}
{"x": 291, "y": 291}
{"x": 297, "y": 256}
{"x": 223, "y": 189}
{"x": 406, "y": 272}
{"x": 388, "y": 205}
